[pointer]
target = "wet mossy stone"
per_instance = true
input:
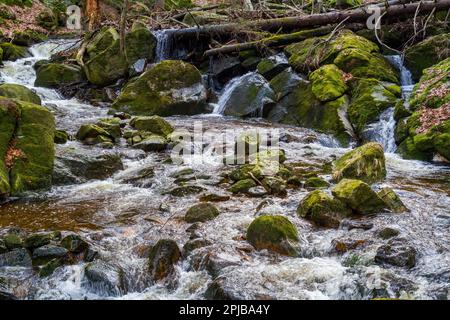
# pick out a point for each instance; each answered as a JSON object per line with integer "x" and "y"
{"x": 16, "y": 258}
{"x": 112, "y": 126}
{"x": 246, "y": 172}
{"x": 316, "y": 183}
{"x": 322, "y": 209}
{"x": 392, "y": 200}
{"x": 396, "y": 252}
{"x": 61, "y": 137}
{"x": 327, "y": 83}
{"x": 387, "y": 233}
{"x": 184, "y": 191}
{"x": 55, "y": 75}
{"x": 74, "y": 244}
{"x": 38, "y": 240}
{"x": 89, "y": 134}
{"x": 33, "y": 169}
{"x": 9, "y": 115}
{"x": 358, "y": 196}
{"x": 13, "y": 240}
{"x": 201, "y": 212}
{"x": 163, "y": 256}
{"x": 274, "y": 233}
{"x": 101, "y": 41}
{"x": 12, "y": 52}
{"x": 44, "y": 254}
{"x": 47, "y": 269}
{"x": 28, "y": 37}
{"x": 152, "y": 143}
{"x": 1, "y": 56}
{"x": 19, "y": 92}
{"x": 272, "y": 66}
{"x": 370, "y": 98}
{"x": 366, "y": 163}
{"x": 154, "y": 124}
{"x": 40, "y": 63}
{"x": 140, "y": 43}
{"x": 171, "y": 87}
{"x": 242, "y": 186}
{"x": 400, "y": 111}
{"x": 101, "y": 276}
{"x": 427, "y": 53}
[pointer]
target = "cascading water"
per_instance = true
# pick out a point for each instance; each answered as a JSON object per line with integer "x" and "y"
{"x": 383, "y": 131}
{"x": 225, "y": 95}
{"x": 122, "y": 220}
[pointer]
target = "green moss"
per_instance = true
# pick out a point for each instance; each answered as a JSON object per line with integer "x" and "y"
{"x": 274, "y": 233}
{"x": 12, "y": 52}
{"x": 19, "y": 92}
{"x": 246, "y": 172}
{"x": 28, "y": 37}
{"x": 392, "y": 200}
{"x": 201, "y": 212}
{"x": 400, "y": 111}
{"x": 427, "y": 53}
{"x": 366, "y": 163}
{"x": 53, "y": 75}
{"x": 152, "y": 93}
{"x": 242, "y": 186}
{"x": 201, "y": 18}
{"x": 327, "y": 83}
{"x": 315, "y": 182}
{"x": 154, "y": 124}
{"x": 358, "y": 196}
{"x": 140, "y": 44}
{"x": 323, "y": 210}
{"x": 369, "y": 99}
{"x": 61, "y": 137}
{"x": 101, "y": 41}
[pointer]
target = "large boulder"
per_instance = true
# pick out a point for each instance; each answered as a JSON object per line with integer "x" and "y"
{"x": 358, "y": 196}
{"x": 322, "y": 209}
{"x": 140, "y": 43}
{"x": 427, "y": 53}
{"x": 251, "y": 96}
{"x": 366, "y": 163}
{"x": 427, "y": 131}
{"x": 163, "y": 256}
{"x": 168, "y": 88}
{"x": 274, "y": 233}
{"x": 26, "y": 148}
{"x": 16, "y": 91}
{"x": 56, "y": 75}
{"x": 12, "y": 52}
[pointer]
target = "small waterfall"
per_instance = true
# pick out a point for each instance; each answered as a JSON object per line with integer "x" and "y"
{"x": 383, "y": 131}
{"x": 227, "y": 91}
{"x": 163, "y": 44}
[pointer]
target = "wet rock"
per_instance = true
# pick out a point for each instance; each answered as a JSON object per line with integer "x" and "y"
{"x": 39, "y": 239}
{"x": 93, "y": 134}
{"x": 184, "y": 191}
{"x": 15, "y": 258}
{"x": 7, "y": 296}
{"x": 154, "y": 124}
{"x": 61, "y": 137}
{"x": 257, "y": 192}
{"x": 163, "y": 256}
{"x": 387, "y": 233}
{"x": 347, "y": 244}
{"x": 247, "y": 171}
{"x": 141, "y": 178}
{"x": 168, "y": 88}
{"x": 12, "y": 52}
{"x": 104, "y": 278}
{"x": 191, "y": 245}
{"x": 3, "y": 247}
{"x": 366, "y": 163}
{"x": 84, "y": 165}
{"x": 327, "y": 83}
{"x": 214, "y": 198}
{"x": 242, "y": 186}
{"x": 398, "y": 253}
{"x": 352, "y": 224}
{"x": 55, "y": 75}
{"x": 201, "y": 212}
{"x": 214, "y": 263}
{"x": 28, "y": 37}
{"x": 74, "y": 244}
{"x": 392, "y": 200}
{"x": 253, "y": 95}
{"x": 226, "y": 68}
{"x": 274, "y": 233}
{"x": 323, "y": 210}
{"x": 13, "y": 241}
{"x": 276, "y": 186}
{"x": 16, "y": 91}
{"x": 218, "y": 290}
{"x": 48, "y": 268}
{"x": 272, "y": 66}
{"x": 44, "y": 254}
{"x": 152, "y": 143}
{"x": 358, "y": 196}
{"x": 316, "y": 183}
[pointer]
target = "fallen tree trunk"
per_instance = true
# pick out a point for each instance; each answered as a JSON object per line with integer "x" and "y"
{"x": 359, "y": 15}
{"x": 278, "y": 40}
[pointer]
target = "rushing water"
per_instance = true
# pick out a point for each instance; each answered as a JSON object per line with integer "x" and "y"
{"x": 120, "y": 220}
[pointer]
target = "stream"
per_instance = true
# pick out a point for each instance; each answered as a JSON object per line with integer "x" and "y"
{"x": 119, "y": 219}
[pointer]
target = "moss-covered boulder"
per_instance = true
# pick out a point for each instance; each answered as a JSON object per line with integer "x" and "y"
{"x": 16, "y": 91}
{"x": 427, "y": 131}
{"x": 101, "y": 41}
{"x": 12, "y": 52}
{"x": 316, "y": 183}
{"x": 93, "y": 134}
{"x": 392, "y": 200}
{"x": 26, "y": 147}
{"x": 154, "y": 124}
{"x": 28, "y": 37}
{"x": 274, "y": 233}
{"x": 370, "y": 97}
{"x": 140, "y": 43}
{"x": 322, "y": 209}
{"x": 56, "y": 75}
{"x": 358, "y": 196}
{"x": 170, "y": 87}
{"x": 201, "y": 212}
{"x": 366, "y": 163}
{"x": 272, "y": 66}
{"x": 242, "y": 186}
{"x": 327, "y": 83}
{"x": 427, "y": 53}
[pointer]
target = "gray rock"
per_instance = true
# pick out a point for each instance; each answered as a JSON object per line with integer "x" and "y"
{"x": 104, "y": 278}
{"x": 16, "y": 258}
{"x": 44, "y": 254}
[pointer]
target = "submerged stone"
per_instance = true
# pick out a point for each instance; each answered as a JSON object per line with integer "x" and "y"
{"x": 397, "y": 253}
